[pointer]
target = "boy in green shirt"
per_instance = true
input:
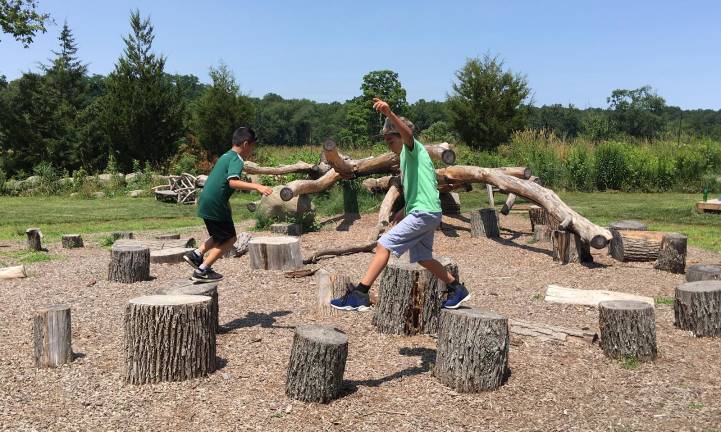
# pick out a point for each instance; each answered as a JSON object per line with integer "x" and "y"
{"x": 415, "y": 225}
{"x": 214, "y": 207}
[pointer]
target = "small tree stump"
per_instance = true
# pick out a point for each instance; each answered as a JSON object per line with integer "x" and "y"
{"x": 628, "y": 225}
{"x": 71, "y": 241}
{"x": 450, "y": 203}
{"x": 472, "y": 350}
{"x": 542, "y": 233}
{"x": 672, "y": 257}
{"x": 168, "y": 338}
{"x": 570, "y": 248}
{"x": 699, "y": 272}
{"x": 34, "y": 239}
{"x": 187, "y": 287}
{"x": 168, "y": 237}
{"x": 410, "y": 297}
{"x": 275, "y": 253}
{"x": 287, "y": 229}
{"x": 628, "y": 329}
{"x": 538, "y": 216}
{"x": 317, "y": 364}
{"x": 171, "y": 255}
{"x": 122, "y": 235}
{"x": 697, "y": 307}
{"x": 129, "y": 264}
{"x": 330, "y": 286}
{"x": 350, "y": 199}
{"x": 484, "y": 223}
{"x": 52, "y": 336}
{"x": 638, "y": 246}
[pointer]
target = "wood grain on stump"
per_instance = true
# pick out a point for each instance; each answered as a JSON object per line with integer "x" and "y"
{"x": 168, "y": 338}
{"x": 628, "y": 329}
{"x": 289, "y": 229}
{"x": 52, "y": 336}
{"x": 171, "y": 255}
{"x": 538, "y": 216}
{"x": 275, "y": 253}
{"x": 672, "y": 257}
{"x": 34, "y": 239}
{"x": 187, "y": 287}
{"x": 129, "y": 264}
{"x": 410, "y": 297}
{"x": 638, "y": 246}
{"x": 570, "y": 248}
{"x": 625, "y": 225}
{"x": 71, "y": 241}
{"x": 484, "y": 223}
{"x": 317, "y": 364}
{"x": 472, "y": 350}
{"x": 697, "y": 307}
{"x": 330, "y": 286}
{"x": 699, "y": 272}
{"x": 542, "y": 233}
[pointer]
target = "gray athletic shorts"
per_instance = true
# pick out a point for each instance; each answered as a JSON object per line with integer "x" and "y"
{"x": 415, "y": 234}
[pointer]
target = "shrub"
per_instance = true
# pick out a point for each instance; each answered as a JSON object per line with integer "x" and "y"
{"x": 610, "y": 166}
{"x": 580, "y": 169}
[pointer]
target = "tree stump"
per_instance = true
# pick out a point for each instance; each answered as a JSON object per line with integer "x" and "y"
{"x": 330, "y": 286}
{"x": 275, "y": 253}
{"x": 350, "y": 199}
{"x": 52, "y": 336}
{"x": 628, "y": 329}
{"x": 472, "y": 350}
{"x": 699, "y": 272}
{"x": 697, "y": 307}
{"x": 122, "y": 235}
{"x": 168, "y": 237}
{"x": 240, "y": 247}
{"x": 450, "y": 203}
{"x": 187, "y": 287}
{"x": 317, "y": 363}
{"x": 570, "y": 248}
{"x": 628, "y": 225}
{"x": 672, "y": 257}
{"x": 34, "y": 239}
{"x": 71, "y": 241}
{"x": 538, "y": 216}
{"x": 172, "y": 255}
{"x": 639, "y": 246}
{"x": 542, "y": 233}
{"x": 410, "y": 297}
{"x": 129, "y": 264}
{"x": 287, "y": 229}
{"x": 168, "y": 338}
{"x": 484, "y": 223}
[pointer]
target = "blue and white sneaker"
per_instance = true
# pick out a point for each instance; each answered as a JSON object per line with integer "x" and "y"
{"x": 457, "y": 294}
{"x": 352, "y": 300}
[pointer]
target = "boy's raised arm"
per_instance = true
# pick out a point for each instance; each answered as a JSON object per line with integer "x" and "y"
{"x": 385, "y": 109}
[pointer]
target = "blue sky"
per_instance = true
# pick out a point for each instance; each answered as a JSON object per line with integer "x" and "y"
{"x": 570, "y": 51}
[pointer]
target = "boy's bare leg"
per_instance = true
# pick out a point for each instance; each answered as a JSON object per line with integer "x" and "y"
{"x": 206, "y": 246}
{"x": 437, "y": 269}
{"x": 380, "y": 260}
{"x": 216, "y": 252}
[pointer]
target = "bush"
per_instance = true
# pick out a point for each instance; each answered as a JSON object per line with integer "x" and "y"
{"x": 48, "y": 179}
{"x": 580, "y": 169}
{"x": 611, "y": 167}
{"x": 185, "y": 164}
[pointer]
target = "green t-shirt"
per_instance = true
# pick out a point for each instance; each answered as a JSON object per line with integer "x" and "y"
{"x": 420, "y": 188}
{"x": 214, "y": 198}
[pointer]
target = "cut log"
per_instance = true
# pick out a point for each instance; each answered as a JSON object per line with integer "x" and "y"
{"x": 638, "y": 246}
{"x": 700, "y": 272}
{"x": 52, "y": 336}
{"x": 298, "y": 209}
{"x": 546, "y": 332}
{"x": 697, "y": 307}
{"x": 275, "y": 253}
{"x": 122, "y": 235}
{"x": 129, "y": 264}
{"x": 450, "y": 203}
{"x": 298, "y": 167}
{"x": 542, "y": 233}
{"x": 317, "y": 363}
{"x": 305, "y": 187}
{"x": 330, "y": 286}
{"x": 672, "y": 257}
{"x": 240, "y": 247}
{"x": 187, "y": 287}
{"x": 410, "y": 297}
{"x": 286, "y": 229}
{"x": 511, "y": 199}
{"x": 34, "y": 237}
{"x": 484, "y": 223}
{"x": 381, "y": 184}
{"x": 473, "y": 349}
{"x": 71, "y": 241}
{"x": 340, "y": 251}
{"x": 14, "y": 272}
{"x": 570, "y": 248}
{"x": 628, "y": 225}
{"x": 168, "y": 338}
{"x": 559, "y": 294}
{"x": 628, "y": 329}
{"x": 168, "y": 256}
{"x": 167, "y": 237}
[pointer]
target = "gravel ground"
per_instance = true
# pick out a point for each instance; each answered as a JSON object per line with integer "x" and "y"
{"x": 388, "y": 380}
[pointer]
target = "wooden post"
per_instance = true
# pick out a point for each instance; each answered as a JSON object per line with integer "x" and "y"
{"x": 491, "y": 201}
{"x": 171, "y": 255}
{"x": 275, "y": 253}
{"x": 628, "y": 329}
{"x": 129, "y": 264}
{"x": 317, "y": 364}
{"x": 187, "y": 287}
{"x": 288, "y": 229}
{"x": 640, "y": 246}
{"x": 672, "y": 257}
{"x": 472, "y": 350}
{"x": 697, "y": 307}
{"x": 570, "y": 248}
{"x": 71, "y": 241}
{"x": 410, "y": 297}
{"x": 330, "y": 286}
{"x": 34, "y": 239}
{"x": 168, "y": 338}
{"x": 699, "y": 272}
{"x": 484, "y": 223}
{"x": 52, "y": 336}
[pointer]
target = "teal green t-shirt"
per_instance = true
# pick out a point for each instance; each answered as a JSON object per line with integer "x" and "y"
{"x": 420, "y": 188}
{"x": 214, "y": 198}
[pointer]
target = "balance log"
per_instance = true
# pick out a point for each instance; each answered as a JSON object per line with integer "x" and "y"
{"x": 638, "y": 246}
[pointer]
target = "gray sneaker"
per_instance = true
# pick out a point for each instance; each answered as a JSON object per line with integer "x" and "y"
{"x": 207, "y": 275}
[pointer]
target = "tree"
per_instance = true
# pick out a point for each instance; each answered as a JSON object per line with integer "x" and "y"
{"x": 21, "y": 19}
{"x": 385, "y": 85}
{"x": 424, "y": 113}
{"x": 486, "y": 103}
{"x": 66, "y": 72}
{"x": 565, "y": 122}
{"x": 637, "y": 112}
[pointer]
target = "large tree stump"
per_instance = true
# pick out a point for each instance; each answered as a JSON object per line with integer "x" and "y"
{"x": 287, "y": 229}
{"x": 275, "y": 253}
{"x": 34, "y": 239}
{"x": 628, "y": 225}
{"x": 450, "y": 203}
{"x": 699, "y": 272}
{"x": 570, "y": 248}
{"x": 330, "y": 286}
{"x": 317, "y": 363}
{"x": 410, "y": 297}
{"x": 628, "y": 329}
{"x": 639, "y": 246}
{"x": 71, "y": 241}
{"x": 168, "y": 338}
{"x": 129, "y": 264}
{"x": 172, "y": 255}
{"x": 697, "y": 307}
{"x": 672, "y": 257}
{"x": 187, "y": 287}
{"x": 52, "y": 336}
{"x": 542, "y": 233}
{"x": 122, "y": 235}
{"x": 484, "y": 223}
{"x": 472, "y": 350}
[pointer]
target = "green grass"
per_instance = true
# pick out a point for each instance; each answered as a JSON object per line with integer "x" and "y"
{"x": 664, "y": 300}
{"x": 25, "y": 257}
{"x": 630, "y": 363}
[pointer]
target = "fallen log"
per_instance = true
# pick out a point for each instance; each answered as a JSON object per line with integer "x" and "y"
{"x": 559, "y": 294}
{"x": 304, "y": 187}
{"x": 511, "y": 199}
{"x": 347, "y": 250}
{"x": 638, "y": 246}
{"x": 13, "y": 272}
{"x": 546, "y": 332}
{"x": 298, "y": 167}
{"x": 385, "y": 212}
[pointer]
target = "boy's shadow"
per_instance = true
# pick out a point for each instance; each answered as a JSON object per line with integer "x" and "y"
{"x": 253, "y": 319}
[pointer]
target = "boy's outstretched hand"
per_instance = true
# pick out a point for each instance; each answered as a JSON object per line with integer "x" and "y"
{"x": 381, "y": 106}
{"x": 265, "y": 190}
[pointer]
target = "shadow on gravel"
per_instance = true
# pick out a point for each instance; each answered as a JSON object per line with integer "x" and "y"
{"x": 252, "y": 319}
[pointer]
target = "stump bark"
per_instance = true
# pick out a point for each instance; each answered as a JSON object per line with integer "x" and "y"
{"x": 172, "y": 255}
{"x": 52, "y": 336}
{"x": 275, "y": 253}
{"x": 538, "y": 216}
{"x": 697, "y": 307}
{"x": 628, "y": 225}
{"x": 472, "y": 350}
{"x": 484, "y": 223}
{"x": 700, "y": 272}
{"x": 129, "y": 264}
{"x": 570, "y": 248}
{"x": 122, "y": 235}
{"x": 410, "y": 297}
{"x": 71, "y": 241}
{"x": 638, "y": 246}
{"x": 240, "y": 247}
{"x": 672, "y": 257}
{"x": 628, "y": 329}
{"x": 330, "y": 286}
{"x": 187, "y": 287}
{"x": 450, "y": 203}
{"x": 168, "y": 338}
{"x": 542, "y": 233}
{"x": 287, "y": 229}
{"x": 317, "y": 364}
{"x": 34, "y": 239}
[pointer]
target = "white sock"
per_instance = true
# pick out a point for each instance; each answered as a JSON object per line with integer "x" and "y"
{"x": 202, "y": 267}
{"x": 197, "y": 252}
